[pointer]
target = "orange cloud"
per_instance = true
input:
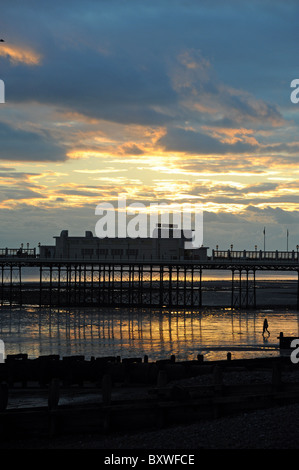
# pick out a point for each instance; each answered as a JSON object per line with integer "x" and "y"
{"x": 17, "y": 54}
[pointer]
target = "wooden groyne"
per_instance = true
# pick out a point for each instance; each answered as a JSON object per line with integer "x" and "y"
{"x": 20, "y": 371}
{"x": 157, "y": 392}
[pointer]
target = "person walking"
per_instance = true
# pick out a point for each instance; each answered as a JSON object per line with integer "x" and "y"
{"x": 265, "y": 327}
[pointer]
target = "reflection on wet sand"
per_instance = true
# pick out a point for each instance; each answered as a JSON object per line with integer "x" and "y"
{"x": 136, "y": 332}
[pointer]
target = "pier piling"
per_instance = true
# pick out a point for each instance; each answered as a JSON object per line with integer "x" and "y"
{"x": 96, "y": 283}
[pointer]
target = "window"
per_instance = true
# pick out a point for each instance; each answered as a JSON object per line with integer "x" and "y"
{"x": 87, "y": 251}
{"x": 102, "y": 251}
{"x": 132, "y": 252}
{"x": 116, "y": 251}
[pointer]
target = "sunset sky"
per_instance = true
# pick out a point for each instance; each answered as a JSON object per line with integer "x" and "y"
{"x": 160, "y": 101}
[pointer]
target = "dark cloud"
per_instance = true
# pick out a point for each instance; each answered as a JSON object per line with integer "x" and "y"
{"x": 18, "y": 144}
{"x": 182, "y": 140}
{"x": 275, "y": 215}
{"x": 132, "y": 149}
{"x": 14, "y": 174}
{"x": 201, "y": 144}
{"x": 111, "y": 60}
{"x": 17, "y": 193}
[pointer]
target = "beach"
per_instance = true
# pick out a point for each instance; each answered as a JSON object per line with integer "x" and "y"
{"x": 270, "y": 428}
{"x": 159, "y": 334}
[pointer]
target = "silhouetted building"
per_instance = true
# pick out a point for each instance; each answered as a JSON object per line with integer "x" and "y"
{"x": 167, "y": 243}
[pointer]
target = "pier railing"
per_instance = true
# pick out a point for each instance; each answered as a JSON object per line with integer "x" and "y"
{"x": 217, "y": 255}
{"x": 255, "y": 255}
{"x": 17, "y": 252}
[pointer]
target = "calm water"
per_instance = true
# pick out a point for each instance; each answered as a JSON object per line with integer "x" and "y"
{"x": 32, "y": 274}
{"x": 136, "y": 332}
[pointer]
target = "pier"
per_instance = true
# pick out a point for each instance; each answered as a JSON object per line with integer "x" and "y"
{"x": 133, "y": 282}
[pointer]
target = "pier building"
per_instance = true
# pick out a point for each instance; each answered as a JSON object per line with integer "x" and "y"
{"x": 167, "y": 243}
